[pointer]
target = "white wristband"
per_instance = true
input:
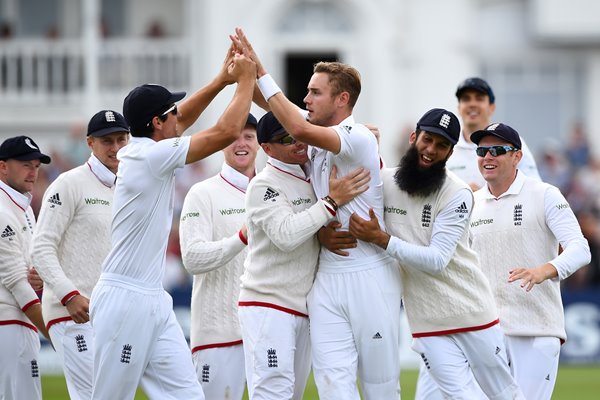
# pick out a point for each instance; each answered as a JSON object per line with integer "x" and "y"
{"x": 267, "y": 86}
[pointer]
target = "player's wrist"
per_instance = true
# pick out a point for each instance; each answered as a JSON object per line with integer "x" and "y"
{"x": 268, "y": 87}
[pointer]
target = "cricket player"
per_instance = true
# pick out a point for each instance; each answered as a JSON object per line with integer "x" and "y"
{"x": 72, "y": 239}
{"x": 20, "y": 308}
{"x": 136, "y": 336}
{"x": 517, "y": 226}
{"x": 213, "y": 248}
{"x": 283, "y": 215}
{"x": 448, "y": 301}
{"x": 354, "y": 304}
{"x": 476, "y": 106}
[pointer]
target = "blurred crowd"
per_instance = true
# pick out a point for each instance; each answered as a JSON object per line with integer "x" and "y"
{"x": 569, "y": 165}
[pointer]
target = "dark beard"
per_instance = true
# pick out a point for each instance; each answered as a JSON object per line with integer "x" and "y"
{"x": 418, "y": 181}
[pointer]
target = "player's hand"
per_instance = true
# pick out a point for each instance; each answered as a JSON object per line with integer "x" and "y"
{"x": 374, "y": 130}
{"x": 368, "y": 230}
{"x": 242, "y": 68}
{"x": 530, "y": 277}
{"x": 344, "y": 189}
{"x": 34, "y": 279}
{"x": 334, "y": 240}
{"x": 224, "y": 75}
{"x": 79, "y": 309}
{"x": 243, "y": 46}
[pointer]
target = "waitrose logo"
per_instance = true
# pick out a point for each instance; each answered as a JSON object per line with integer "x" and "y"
{"x": 232, "y": 211}
{"x": 97, "y": 201}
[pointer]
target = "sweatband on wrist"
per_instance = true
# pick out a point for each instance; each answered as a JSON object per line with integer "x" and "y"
{"x": 267, "y": 86}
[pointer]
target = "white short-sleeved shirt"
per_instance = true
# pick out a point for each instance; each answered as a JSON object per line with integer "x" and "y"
{"x": 143, "y": 207}
{"x": 358, "y": 149}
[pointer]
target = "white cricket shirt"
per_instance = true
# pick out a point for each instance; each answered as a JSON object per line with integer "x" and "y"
{"x": 143, "y": 207}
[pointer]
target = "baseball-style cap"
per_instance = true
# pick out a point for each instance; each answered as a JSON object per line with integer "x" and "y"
{"x": 477, "y": 84}
{"x": 441, "y": 122}
{"x": 268, "y": 127}
{"x": 22, "y": 148}
{"x": 146, "y": 101}
{"x": 501, "y": 131}
{"x": 251, "y": 120}
{"x": 106, "y": 122}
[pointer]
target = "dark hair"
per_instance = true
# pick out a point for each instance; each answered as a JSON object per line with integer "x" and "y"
{"x": 342, "y": 78}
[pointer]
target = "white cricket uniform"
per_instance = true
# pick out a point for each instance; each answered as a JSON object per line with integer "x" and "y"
{"x": 448, "y": 301}
{"x": 354, "y": 305}
{"x": 212, "y": 250}
{"x": 463, "y": 162}
{"x": 72, "y": 239}
{"x": 283, "y": 216}
{"x": 20, "y": 344}
{"x": 136, "y": 336}
{"x": 515, "y": 230}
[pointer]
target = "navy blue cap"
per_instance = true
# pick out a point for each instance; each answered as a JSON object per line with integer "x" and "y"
{"x": 106, "y": 122}
{"x": 146, "y": 101}
{"x": 268, "y": 128}
{"x": 501, "y": 131}
{"x": 251, "y": 120}
{"x": 22, "y": 148}
{"x": 441, "y": 122}
{"x": 476, "y": 84}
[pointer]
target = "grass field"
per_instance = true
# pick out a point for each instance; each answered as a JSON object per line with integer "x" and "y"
{"x": 580, "y": 383}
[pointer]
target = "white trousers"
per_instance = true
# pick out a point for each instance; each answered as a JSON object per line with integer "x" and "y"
{"x": 277, "y": 351}
{"x": 138, "y": 341}
{"x": 354, "y": 328}
{"x": 534, "y": 363}
{"x": 221, "y": 372}
{"x": 74, "y": 344}
{"x": 19, "y": 370}
{"x": 453, "y": 360}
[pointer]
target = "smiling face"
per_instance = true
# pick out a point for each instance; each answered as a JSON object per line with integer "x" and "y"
{"x": 20, "y": 175}
{"x": 241, "y": 154}
{"x": 500, "y": 171}
{"x": 105, "y": 148}
{"x": 432, "y": 148}
{"x": 295, "y": 153}
{"x": 475, "y": 111}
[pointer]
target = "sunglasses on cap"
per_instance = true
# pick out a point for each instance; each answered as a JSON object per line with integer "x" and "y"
{"x": 494, "y": 150}
{"x": 285, "y": 140}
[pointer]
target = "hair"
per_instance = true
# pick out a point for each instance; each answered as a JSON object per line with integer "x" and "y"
{"x": 342, "y": 78}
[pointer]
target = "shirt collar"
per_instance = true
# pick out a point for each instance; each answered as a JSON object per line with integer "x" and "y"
{"x": 348, "y": 121}
{"x": 21, "y": 199}
{"x": 292, "y": 169}
{"x": 514, "y": 188}
{"x": 104, "y": 175}
{"x": 234, "y": 177}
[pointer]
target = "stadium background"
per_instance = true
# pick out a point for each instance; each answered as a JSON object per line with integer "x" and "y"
{"x": 62, "y": 60}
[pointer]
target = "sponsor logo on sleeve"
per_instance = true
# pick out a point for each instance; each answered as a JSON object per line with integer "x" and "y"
{"x": 270, "y": 194}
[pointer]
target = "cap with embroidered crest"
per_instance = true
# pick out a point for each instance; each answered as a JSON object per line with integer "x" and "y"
{"x": 22, "y": 148}
{"x": 441, "y": 122}
{"x": 499, "y": 130}
{"x": 106, "y": 122}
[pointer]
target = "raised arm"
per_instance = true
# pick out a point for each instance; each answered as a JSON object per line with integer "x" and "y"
{"x": 286, "y": 111}
{"x": 230, "y": 124}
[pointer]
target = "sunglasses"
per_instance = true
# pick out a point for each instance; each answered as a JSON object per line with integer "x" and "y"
{"x": 172, "y": 110}
{"x": 494, "y": 150}
{"x": 286, "y": 140}
{"x": 163, "y": 116}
